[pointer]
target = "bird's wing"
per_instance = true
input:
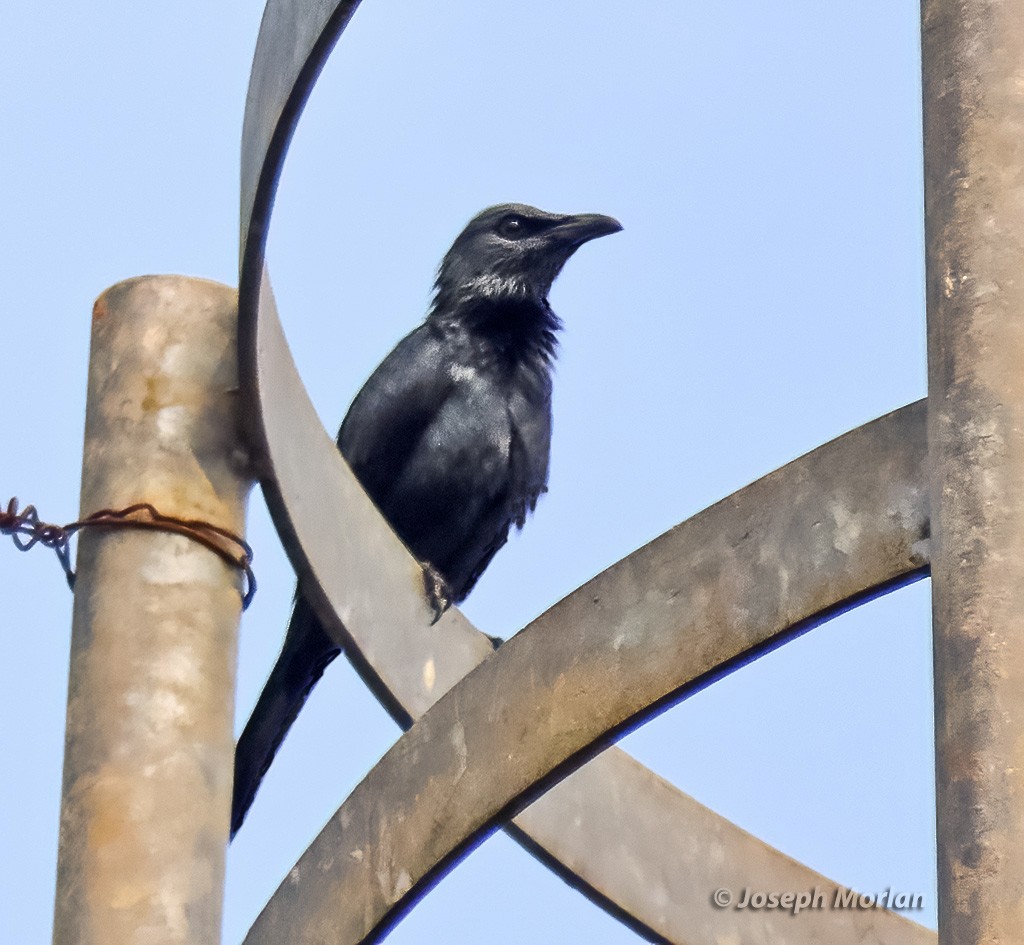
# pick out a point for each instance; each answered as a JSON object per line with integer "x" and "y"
{"x": 392, "y": 412}
{"x": 502, "y": 472}
{"x": 530, "y": 422}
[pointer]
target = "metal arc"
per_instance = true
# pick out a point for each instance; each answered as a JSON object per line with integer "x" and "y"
{"x": 369, "y": 593}
{"x": 845, "y": 521}
{"x": 604, "y": 828}
{"x": 294, "y": 42}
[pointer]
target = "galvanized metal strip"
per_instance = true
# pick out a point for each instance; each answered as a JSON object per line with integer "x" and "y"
{"x": 847, "y": 520}
{"x": 382, "y": 604}
{"x": 676, "y": 854}
{"x": 293, "y": 44}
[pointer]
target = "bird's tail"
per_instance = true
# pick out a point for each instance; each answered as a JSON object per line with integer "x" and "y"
{"x": 305, "y": 655}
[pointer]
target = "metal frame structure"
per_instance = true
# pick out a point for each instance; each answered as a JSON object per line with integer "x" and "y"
{"x": 932, "y": 486}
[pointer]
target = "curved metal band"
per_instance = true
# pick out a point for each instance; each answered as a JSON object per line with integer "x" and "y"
{"x": 742, "y": 576}
{"x": 291, "y": 49}
{"x": 597, "y": 826}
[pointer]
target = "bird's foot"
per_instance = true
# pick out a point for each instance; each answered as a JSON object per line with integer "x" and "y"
{"x": 439, "y": 595}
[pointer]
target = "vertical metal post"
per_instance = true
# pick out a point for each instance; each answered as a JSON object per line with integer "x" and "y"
{"x": 148, "y": 751}
{"x": 973, "y": 62}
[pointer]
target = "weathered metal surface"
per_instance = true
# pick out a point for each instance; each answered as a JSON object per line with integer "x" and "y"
{"x": 848, "y": 519}
{"x": 149, "y": 748}
{"x": 664, "y": 855}
{"x": 369, "y": 592}
{"x": 974, "y": 199}
{"x": 293, "y": 44}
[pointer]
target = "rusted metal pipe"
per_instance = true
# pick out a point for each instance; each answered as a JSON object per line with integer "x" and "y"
{"x": 973, "y": 65}
{"x": 148, "y": 750}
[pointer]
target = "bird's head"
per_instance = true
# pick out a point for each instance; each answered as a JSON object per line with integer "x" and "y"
{"x": 514, "y": 252}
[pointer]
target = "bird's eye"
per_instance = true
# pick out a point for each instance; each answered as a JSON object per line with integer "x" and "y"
{"x": 512, "y": 227}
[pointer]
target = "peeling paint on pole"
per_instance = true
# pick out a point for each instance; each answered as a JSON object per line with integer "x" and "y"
{"x": 149, "y": 747}
{"x": 973, "y": 64}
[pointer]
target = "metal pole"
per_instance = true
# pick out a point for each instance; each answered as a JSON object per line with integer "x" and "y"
{"x": 148, "y": 751}
{"x": 973, "y": 63}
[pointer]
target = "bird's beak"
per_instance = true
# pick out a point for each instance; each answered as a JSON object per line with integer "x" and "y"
{"x": 579, "y": 228}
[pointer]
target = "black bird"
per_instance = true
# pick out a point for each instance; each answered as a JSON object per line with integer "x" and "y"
{"x": 450, "y": 436}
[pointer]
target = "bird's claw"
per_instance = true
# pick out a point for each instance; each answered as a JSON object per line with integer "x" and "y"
{"x": 439, "y": 595}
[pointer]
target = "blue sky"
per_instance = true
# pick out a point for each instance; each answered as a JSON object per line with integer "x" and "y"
{"x": 765, "y": 296}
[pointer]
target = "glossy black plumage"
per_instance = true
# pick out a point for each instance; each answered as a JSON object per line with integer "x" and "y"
{"x": 450, "y": 436}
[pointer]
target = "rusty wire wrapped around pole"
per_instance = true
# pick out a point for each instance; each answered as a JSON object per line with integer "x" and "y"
{"x": 973, "y": 64}
{"x": 149, "y": 747}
